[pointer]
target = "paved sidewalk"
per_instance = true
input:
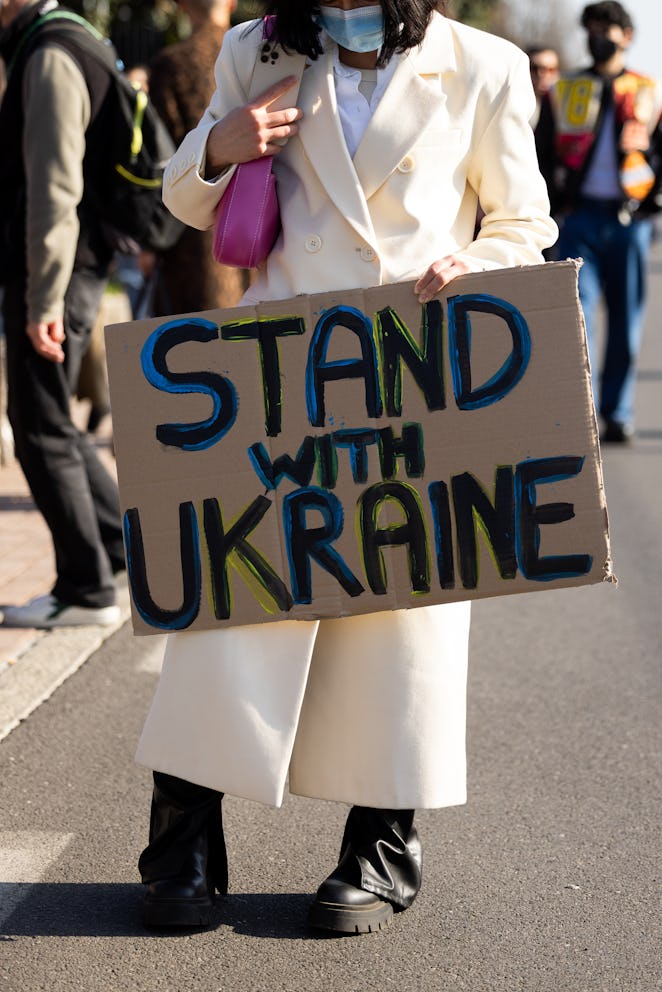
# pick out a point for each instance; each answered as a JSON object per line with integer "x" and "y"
{"x": 34, "y": 662}
{"x": 26, "y": 558}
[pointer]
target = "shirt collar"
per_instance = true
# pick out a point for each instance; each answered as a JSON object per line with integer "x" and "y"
{"x": 384, "y": 75}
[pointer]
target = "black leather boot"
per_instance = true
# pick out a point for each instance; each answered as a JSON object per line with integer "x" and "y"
{"x": 185, "y": 860}
{"x": 379, "y": 872}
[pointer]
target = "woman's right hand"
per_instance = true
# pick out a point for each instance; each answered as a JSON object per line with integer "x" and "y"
{"x": 252, "y": 131}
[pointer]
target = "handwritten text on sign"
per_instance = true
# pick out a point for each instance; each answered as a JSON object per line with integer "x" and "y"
{"x": 355, "y": 452}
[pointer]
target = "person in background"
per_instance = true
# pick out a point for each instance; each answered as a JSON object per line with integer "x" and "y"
{"x": 186, "y": 277}
{"x": 133, "y": 266}
{"x": 128, "y": 268}
{"x": 403, "y": 120}
{"x": 599, "y": 143}
{"x": 54, "y": 267}
{"x": 544, "y": 69}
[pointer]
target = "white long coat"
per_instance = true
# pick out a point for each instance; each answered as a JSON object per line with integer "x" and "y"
{"x": 371, "y": 709}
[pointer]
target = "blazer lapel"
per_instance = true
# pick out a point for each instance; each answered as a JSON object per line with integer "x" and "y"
{"x": 324, "y": 143}
{"x": 410, "y": 102}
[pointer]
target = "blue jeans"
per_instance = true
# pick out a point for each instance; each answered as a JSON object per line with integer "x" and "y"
{"x": 615, "y": 267}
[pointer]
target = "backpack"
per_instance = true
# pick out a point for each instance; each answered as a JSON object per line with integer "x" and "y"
{"x": 129, "y": 147}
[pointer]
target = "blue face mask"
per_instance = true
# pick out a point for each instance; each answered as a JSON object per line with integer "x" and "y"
{"x": 357, "y": 30}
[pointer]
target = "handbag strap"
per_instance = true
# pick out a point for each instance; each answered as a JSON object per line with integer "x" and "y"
{"x": 273, "y": 64}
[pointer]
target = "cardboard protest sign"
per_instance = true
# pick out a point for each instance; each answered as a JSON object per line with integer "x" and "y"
{"x": 352, "y": 452}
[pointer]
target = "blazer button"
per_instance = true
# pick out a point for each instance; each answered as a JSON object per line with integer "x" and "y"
{"x": 368, "y": 254}
{"x": 407, "y": 164}
{"x": 313, "y": 243}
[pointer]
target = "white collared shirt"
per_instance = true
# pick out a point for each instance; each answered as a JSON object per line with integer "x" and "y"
{"x": 355, "y": 108}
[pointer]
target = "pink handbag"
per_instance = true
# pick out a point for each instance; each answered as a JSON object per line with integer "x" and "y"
{"x": 248, "y": 217}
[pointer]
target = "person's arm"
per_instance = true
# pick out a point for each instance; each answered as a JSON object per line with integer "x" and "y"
{"x": 504, "y": 172}
{"x": 57, "y": 111}
{"x": 230, "y": 131}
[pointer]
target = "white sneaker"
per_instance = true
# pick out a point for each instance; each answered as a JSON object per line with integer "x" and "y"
{"x": 47, "y": 611}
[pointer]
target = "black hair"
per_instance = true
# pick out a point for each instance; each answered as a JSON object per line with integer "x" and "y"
{"x": 607, "y": 12}
{"x": 405, "y": 24}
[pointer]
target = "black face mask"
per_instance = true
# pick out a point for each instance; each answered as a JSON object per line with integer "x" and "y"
{"x": 601, "y": 48}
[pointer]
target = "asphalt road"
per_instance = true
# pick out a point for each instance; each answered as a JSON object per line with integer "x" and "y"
{"x": 547, "y": 881}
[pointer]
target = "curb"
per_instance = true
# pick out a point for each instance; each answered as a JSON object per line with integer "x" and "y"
{"x": 48, "y": 662}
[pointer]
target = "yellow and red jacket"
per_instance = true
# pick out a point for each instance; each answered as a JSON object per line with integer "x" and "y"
{"x": 570, "y": 122}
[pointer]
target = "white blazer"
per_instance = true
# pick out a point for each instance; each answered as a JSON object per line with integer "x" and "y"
{"x": 371, "y": 709}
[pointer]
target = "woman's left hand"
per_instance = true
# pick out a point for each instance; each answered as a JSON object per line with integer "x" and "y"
{"x": 438, "y": 275}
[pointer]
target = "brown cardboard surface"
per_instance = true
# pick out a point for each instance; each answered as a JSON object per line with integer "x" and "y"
{"x": 501, "y": 492}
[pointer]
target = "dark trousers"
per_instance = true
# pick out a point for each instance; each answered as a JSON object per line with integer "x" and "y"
{"x": 615, "y": 269}
{"x": 76, "y": 495}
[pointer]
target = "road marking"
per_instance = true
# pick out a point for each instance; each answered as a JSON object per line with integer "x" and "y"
{"x": 25, "y": 856}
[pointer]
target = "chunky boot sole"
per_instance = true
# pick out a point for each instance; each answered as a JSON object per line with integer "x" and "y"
{"x": 177, "y": 912}
{"x": 350, "y": 919}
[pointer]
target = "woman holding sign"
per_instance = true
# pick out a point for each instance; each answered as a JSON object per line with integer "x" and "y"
{"x": 404, "y": 121}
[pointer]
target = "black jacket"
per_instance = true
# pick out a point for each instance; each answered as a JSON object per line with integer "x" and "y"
{"x": 564, "y": 182}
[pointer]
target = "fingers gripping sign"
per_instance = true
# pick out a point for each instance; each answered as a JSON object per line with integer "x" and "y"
{"x": 254, "y": 130}
{"x": 438, "y": 275}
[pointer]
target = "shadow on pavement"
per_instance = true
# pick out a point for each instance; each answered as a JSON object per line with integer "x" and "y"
{"x": 44, "y": 909}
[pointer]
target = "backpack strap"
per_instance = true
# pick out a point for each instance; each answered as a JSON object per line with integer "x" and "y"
{"x": 94, "y": 55}
{"x": 79, "y": 38}
{"x": 38, "y": 25}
